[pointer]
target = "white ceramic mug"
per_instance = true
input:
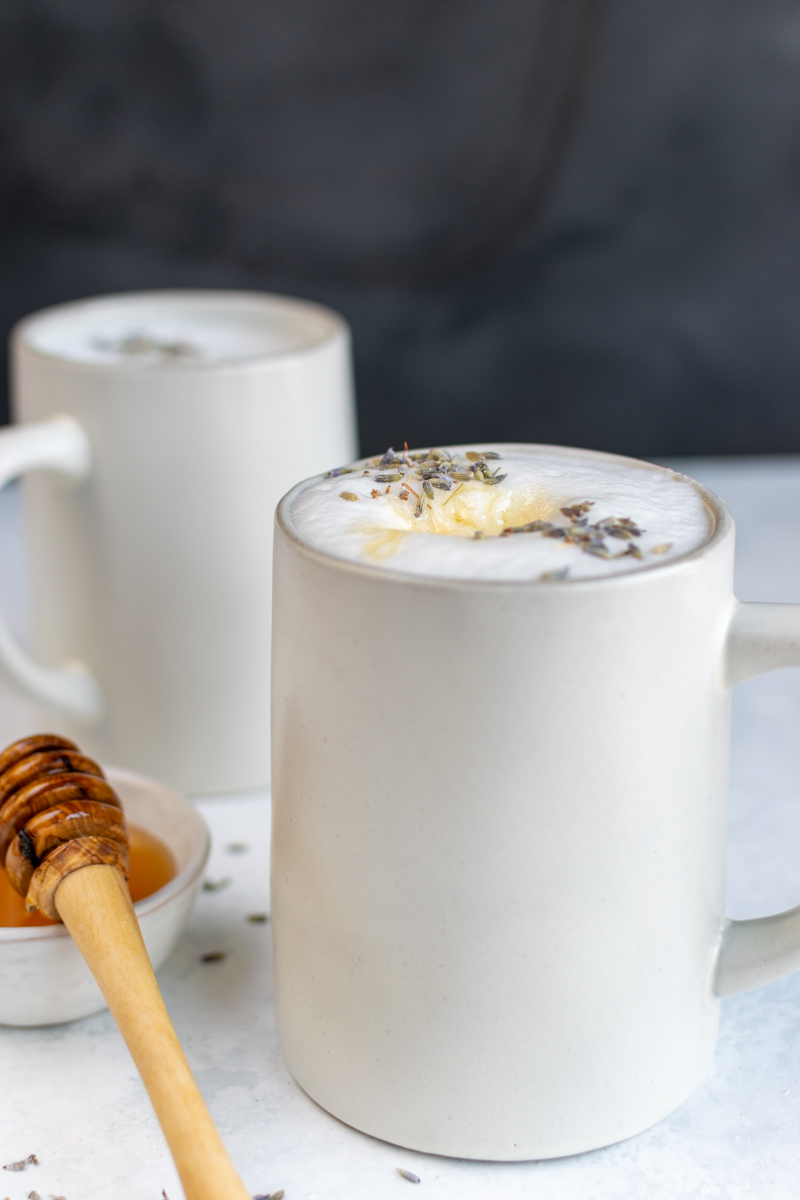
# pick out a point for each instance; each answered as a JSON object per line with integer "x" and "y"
{"x": 499, "y": 843}
{"x": 157, "y": 433}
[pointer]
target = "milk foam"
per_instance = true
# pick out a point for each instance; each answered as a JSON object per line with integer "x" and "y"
{"x": 664, "y": 508}
{"x": 177, "y": 329}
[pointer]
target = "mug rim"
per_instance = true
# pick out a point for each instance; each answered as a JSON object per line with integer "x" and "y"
{"x": 335, "y": 328}
{"x": 722, "y": 528}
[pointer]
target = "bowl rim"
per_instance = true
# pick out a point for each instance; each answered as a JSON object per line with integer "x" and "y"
{"x": 180, "y": 883}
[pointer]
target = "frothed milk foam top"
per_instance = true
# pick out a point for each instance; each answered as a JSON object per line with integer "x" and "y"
{"x": 502, "y": 513}
{"x": 175, "y": 329}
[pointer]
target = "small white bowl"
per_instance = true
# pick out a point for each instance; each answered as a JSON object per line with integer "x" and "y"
{"x": 43, "y": 978}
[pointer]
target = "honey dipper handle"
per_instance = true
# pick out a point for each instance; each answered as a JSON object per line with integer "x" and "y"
{"x": 95, "y": 905}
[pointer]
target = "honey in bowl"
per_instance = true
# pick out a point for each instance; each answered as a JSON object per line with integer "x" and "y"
{"x": 152, "y": 866}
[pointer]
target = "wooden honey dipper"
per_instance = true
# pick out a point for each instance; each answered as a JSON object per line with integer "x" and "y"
{"x": 64, "y": 844}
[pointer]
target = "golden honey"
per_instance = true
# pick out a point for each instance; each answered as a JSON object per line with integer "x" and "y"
{"x": 152, "y": 866}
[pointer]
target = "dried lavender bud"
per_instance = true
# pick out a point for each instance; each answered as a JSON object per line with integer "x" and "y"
{"x": 577, "y": 510}
{"x": 618, "y": 527}
{"x": 348, "y": 496}
{"x": 409, "y": 1175}
{"x": 22, "y": 1164}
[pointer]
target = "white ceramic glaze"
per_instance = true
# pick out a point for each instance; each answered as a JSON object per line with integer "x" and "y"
{"x": 43, "y": 978}
{"x": 149, "y": 493}
{"x": 499, "y": 843}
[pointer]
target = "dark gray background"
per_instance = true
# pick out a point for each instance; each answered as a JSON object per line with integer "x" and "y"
{"x": 527, "y": 249}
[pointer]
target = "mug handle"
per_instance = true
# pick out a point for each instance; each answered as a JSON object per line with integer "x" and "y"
{"x": 761, "y": 637}
{"x": 61, "y": 445}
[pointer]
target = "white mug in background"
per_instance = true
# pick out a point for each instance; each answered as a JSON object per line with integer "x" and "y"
{"x": 499, "y": 842}
{"x": 157, "y": 431}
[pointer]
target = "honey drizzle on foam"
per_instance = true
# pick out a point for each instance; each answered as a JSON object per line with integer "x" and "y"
{"x": 467, "y": 502}
{"x": 467, "y": 511}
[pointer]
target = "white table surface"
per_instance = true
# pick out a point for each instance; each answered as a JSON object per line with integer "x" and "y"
{"x": 71, "y": 1095}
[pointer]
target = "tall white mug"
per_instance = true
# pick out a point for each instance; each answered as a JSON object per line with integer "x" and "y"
{"x": 499, "y": 842}
{"x": 156, "y": 433}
